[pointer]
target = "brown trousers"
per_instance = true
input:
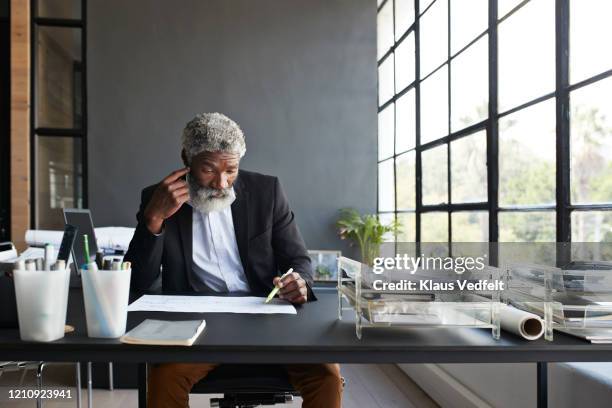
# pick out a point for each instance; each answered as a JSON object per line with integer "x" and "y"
{"x": 169, "y": 384}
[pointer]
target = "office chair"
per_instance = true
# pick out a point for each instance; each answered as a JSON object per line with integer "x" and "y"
{"x": 247, "y": 385}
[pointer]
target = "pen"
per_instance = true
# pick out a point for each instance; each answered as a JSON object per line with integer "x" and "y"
{"x": 276, "y": 288}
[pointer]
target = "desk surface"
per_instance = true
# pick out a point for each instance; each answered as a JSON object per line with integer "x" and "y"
{"x": 313, "y": 335}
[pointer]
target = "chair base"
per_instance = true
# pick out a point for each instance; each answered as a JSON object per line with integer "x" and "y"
{"x": 250, "y": 400}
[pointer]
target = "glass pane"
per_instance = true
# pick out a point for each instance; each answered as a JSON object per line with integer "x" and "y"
{"x": 384, "y": 25}
{"x": 58, "y": 77}
{"x": 472, "y": 226}
{"x": 527, "y": 54}
{"x": 592, "y": 226}
{"x": 527, "y": 156}
{"x": 434, "y": 106}
{"x": 434, "y": 227}
{"x": 469, "y": 169}
{"x": 59, "y": 179}
{"x": 386, "y": 219}
{"x": 385, "y": 133}
{"x": 591, "y": 143}
{"x": 405, "y": 122}
{"x": 435, "y": 185}
{"x": 385, "y": 80}
{"x": 386, "y": 186}
{"x": 468, "y": 20}
{"x": 533, "y": 226}
{"x": 404, "y": 63}
{"x": 470, "y": 85}
{"x": 405, "y": 170}
{"x": 423, "y": 5}
{"x": 434, "y": 37}
{"x": 407, "y": 231}
{"x": 505, "y": 6}
{"x": 589, "y": 24}
{"x": 404, "y": 16}
{"x": 59, "y": 9}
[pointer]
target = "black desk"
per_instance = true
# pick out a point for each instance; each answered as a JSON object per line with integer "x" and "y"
{"x": 313, "y": 336}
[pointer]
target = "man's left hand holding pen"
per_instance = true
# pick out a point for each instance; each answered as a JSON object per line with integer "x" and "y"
{"x": 292, "y": 288}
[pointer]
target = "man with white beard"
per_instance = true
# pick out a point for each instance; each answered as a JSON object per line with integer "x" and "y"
{"x": 213, "y": 228}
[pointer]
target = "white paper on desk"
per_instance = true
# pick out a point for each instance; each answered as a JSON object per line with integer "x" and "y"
{"x": 527, "y": 325}
{"x": 211, "y": 304}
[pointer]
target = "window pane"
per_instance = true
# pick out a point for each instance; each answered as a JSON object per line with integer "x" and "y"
{"x": 435, "y": 185}
{"x": 472, "y": 226}
{"x": 59, "y": 179}
{"x": 385, "y": 80}
{"x": 423, "y": 5}
{"x": 405, "y": 122}
{"x": 468, "y": 20}
{"x": 385, "y": 133}
{"x": 434, "y": 106}
{"x": 384, "y": 25}
{"x": 527, "y": 156}
{"x": 434, "y": 37}
{"x": 536, "y": 226}
{"x": 591, "y": 143}
{"x": 407, "y": 227}
{"x": 58, "y": 77}
{"x": 592, "y": 226}
{"x": 404, "y": 16}
{"x": 589, "y": 24}
{"x": 59, "y": 9}
{"x": 505, "y": 6}
{"x": 386, "y": 186}
{"x": 527, "y": 54}
{"x": 405, "y": 171}
{"x": 386, "y": 219}
{"x": 404, "y": 63}
{"x": 470, "y": 85}
{"x": 434, "y": 227}
{"x": 469, "y": 169}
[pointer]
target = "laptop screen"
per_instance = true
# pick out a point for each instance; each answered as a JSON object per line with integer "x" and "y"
{"x": 82, "y": 220}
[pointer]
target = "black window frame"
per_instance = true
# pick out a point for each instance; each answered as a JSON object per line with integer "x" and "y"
{"x": 74, "y": 132}
{"x": 563, "y": 207}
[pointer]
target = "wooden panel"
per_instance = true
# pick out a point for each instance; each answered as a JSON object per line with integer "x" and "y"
{"x": 20, "y": 121}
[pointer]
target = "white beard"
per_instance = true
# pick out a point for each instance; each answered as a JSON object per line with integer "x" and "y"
{"x": 203, "y": 198}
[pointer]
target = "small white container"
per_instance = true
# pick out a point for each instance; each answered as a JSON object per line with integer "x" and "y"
{"x": 106, "y": 294}
{"x": 42, "y": 300}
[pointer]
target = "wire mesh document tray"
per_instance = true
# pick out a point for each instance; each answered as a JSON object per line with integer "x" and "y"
{"x": 432, "y": 298}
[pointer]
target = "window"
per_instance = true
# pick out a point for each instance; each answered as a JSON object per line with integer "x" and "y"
{"x": 477, "y": 131}
{"x": 58, "y": 136}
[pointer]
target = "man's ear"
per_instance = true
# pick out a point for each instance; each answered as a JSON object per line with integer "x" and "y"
{"x": 184, "y": 157}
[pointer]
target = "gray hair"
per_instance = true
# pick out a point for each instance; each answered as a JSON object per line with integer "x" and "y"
{"x": 212, "y": 132}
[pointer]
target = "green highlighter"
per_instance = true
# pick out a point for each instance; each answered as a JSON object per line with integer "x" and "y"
{"x": 276, "y": 288}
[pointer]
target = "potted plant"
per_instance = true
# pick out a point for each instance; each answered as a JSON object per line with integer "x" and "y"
{"x": 367, "y": 231}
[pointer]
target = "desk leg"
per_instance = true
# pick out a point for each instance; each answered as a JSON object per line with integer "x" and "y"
{"x": 142, "y": 385}
{"x": 542, "y": 385}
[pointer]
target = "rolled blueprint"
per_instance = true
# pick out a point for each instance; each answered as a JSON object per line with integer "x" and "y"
{"x": 527, "y": 325}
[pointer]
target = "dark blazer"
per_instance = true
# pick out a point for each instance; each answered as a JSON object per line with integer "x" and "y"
{"x": 267, "y": 235}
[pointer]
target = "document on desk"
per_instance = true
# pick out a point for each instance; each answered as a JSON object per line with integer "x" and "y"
{"x": 210, "y": 304}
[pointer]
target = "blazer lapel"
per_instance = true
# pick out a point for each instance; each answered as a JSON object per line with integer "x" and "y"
{"x": 241, "y": 222}
{"x": 185, "y": 217}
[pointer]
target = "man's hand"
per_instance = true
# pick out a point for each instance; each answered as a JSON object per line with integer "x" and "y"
{"x": 292, "y": 288}
{"x": 167, "y": 198}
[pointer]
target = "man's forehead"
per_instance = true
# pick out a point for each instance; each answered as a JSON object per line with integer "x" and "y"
{"x": 217, "y": 156}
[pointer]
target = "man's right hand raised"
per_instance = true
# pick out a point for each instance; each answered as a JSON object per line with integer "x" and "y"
{"x": 167, "y": 198}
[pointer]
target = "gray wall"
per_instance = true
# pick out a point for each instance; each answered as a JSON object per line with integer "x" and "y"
{"x": 298, "y": 76}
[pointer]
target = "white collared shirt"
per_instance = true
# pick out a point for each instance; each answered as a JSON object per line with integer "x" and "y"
{"x": 216, "y": 260}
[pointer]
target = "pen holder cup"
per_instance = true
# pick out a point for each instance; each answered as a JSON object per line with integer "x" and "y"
{"x": 106, "y": 294}
{"x": 42, "y": 300}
